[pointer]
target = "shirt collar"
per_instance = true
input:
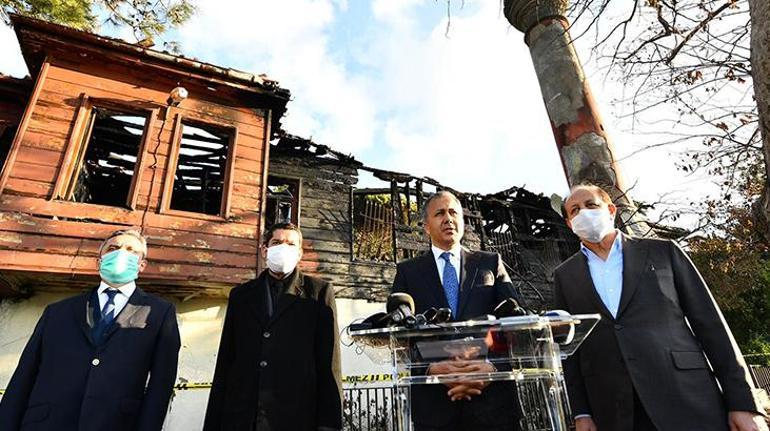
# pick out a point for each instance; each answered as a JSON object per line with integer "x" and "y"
{"x": 126, "y": 289}
{"x": 617, "y": 246}
{"x": 455, "y": 251}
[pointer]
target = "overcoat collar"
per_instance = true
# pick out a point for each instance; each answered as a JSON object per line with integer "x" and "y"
{"x": 258, "y": 293}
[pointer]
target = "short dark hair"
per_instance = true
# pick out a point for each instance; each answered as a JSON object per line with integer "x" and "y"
{"x": 603, "y": 195}
{"x": 434, "y": 196}
{"x": 268, "y": 235}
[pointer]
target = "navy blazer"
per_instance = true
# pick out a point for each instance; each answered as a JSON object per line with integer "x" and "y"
{"x": 484, "y": 283}
{"x": 65, "y": 382}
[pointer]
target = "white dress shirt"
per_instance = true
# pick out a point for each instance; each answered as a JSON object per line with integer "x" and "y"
{"x": 454, "y": 259}
{"x": 121, "y": 298}
{"x": 607, "y": 275}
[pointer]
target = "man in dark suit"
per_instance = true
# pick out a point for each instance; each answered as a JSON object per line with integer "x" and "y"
{"x": 278, "y": 367}
{"x": 87, "y": 364}
{"x": 654, "y": 360}
{"x": 470, "y": 283}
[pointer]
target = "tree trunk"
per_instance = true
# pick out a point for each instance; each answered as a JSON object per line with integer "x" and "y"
{"x": 760, "y": 72}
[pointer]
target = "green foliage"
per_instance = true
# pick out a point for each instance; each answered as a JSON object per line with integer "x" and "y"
{"x": 146, "y": 18}
{"x": 75, "y": 13}
{"x": 736, "y": 265}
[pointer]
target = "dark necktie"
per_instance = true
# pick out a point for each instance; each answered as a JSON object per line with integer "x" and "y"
{"x": 451, "y": 283}
{"x": 108, "y": 311}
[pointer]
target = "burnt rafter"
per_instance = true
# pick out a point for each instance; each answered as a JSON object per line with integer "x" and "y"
{"x": 520, "y": 225}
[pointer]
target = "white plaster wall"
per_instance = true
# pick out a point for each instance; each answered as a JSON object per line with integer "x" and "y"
{"x": 200, "y": 324}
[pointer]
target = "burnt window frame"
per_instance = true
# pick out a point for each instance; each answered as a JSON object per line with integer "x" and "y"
{"x": 77, "y": 147}
{"x": 173, "y": 161}
{"x": 297, "y": 215}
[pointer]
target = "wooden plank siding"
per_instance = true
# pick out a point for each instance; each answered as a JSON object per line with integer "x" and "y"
{"x": 40, "y": 234}
{"x": 327, "y": 228}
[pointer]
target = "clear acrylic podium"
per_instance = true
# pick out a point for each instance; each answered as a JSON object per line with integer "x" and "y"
{"x": 526, "y": 349}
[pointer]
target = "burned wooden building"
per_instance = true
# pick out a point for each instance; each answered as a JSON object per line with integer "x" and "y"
{"x": 354, "y": 233}
{"x": 109, "y": 135}
{"x": 102, "y": 137}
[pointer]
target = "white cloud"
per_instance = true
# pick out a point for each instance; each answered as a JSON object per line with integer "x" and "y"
{"x": 289, "y": 40}
{"x": 11, "y": 61}
{"x": 398, "y": 94}
{"x": 465, "y": 110}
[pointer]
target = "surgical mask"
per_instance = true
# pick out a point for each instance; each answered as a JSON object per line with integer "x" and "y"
{"x": 119, "y": 267}
{"x": 282, "y": 258}
{"x": 593, "y": 224}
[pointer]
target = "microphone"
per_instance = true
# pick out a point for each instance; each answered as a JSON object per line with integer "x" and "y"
{"x": 440, "y": 315}
{"x": 509, "y": 308}
{"x": 375, "y": 321}
{"x": 400, "y": 309}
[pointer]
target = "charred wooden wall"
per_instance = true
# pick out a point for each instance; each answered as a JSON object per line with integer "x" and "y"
{"x": 14, "y": 93}
{"x": 325, "y": 220}
{"x": 41, "y": 233}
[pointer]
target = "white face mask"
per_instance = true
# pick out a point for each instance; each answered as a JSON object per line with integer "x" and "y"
{"x": 593, "y": 224}
{"x": 282, "y": 258}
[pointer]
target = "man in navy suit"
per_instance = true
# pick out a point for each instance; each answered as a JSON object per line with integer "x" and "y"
{"x": 102, "y": 360}
{"x": 470, "y": 283}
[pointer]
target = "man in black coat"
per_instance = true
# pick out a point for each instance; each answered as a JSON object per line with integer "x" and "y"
{"x": 278, "y": 367}
{"x": 654, "y": 360}
{"x": 86, "y": 366}
{"x": 471, "y": 284}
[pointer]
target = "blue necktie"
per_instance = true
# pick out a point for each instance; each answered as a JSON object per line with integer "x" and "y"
{"x": 108, "y": 311}
{"x": 451, "y": 283}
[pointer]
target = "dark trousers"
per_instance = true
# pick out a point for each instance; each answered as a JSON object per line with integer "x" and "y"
{"x": 642, "y": 421}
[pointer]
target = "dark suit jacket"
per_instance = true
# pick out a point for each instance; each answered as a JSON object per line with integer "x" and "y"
{"x": 65, "y": 383}
{"x": 484, "y": 283}
{"x": 282, "y": 370}
{"x": 650, "y": 348}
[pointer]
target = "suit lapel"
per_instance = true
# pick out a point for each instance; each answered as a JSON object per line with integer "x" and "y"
{"x": 470, "y": 267}
{"x": 256, "y": 298}
{"x": 634, "y": 259}
{"x": 133, "y": 315}
{"x": 585, "y": 284}
{"x": 82, "y": 312}
{"x": 431, "y": 279}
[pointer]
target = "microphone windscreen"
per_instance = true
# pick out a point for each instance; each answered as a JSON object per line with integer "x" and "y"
{"x": 398, "y": 299}
{"x": 376, "y": 318}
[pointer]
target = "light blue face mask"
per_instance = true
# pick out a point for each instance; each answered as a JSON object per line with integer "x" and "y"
{"x": 119, "y": 267}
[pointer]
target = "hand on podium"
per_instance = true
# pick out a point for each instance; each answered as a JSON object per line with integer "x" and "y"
{"x": 463, "y": 390}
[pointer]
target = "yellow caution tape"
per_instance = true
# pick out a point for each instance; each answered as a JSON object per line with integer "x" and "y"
{"x": 186, "y": 386}
{"x": 368, "y": 378}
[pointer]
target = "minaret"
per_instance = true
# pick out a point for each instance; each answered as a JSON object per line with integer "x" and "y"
{"x": 584, "y": 146}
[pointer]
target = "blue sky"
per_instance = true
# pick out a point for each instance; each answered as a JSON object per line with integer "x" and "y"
{"x": 380, "y": 80}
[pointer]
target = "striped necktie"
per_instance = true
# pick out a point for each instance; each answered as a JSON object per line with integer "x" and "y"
{"x": 108, "y": 311}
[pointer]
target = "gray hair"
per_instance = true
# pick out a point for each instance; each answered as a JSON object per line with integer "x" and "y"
{"x": 434, "y": 196}
{"x": 130, "y": 232}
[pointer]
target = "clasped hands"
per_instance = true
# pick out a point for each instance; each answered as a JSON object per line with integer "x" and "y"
{"x": 462, "y": 390}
